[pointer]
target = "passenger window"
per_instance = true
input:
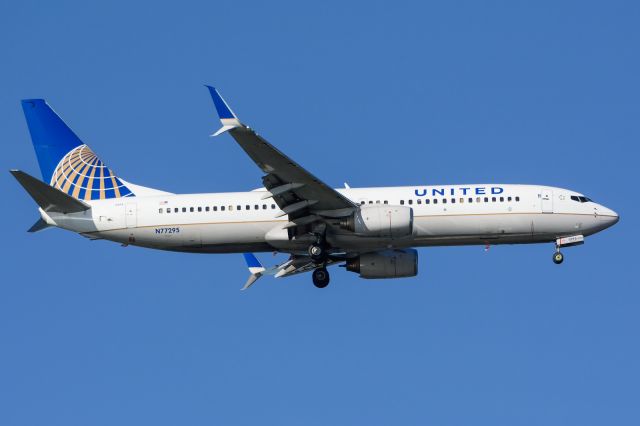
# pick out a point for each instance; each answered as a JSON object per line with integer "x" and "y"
{"x": 402, "y": 202}
{"x": 239, "y": 207}
{"x": 206, "y": 208}
{"x": 486, "y": 199}
{"x": 257, "y": 207}
{"x": 247, "y": 207}
{"x": 501, "y": 199}
{"x": 444, "y": 201}
{"x": 427, "y": 201}
{"x": 470, "y": 200}
{"x": 453, "y": 201}
{"x": 221, "y": 208}
{"x": 478, "y": 199}
{"x": 184, "y": 210}
{"x": 159, "y": 210}
{"x": 410, "y": 202}
{"x": 517, "y": 198}
{"x": 264, "y": 207}
{"x": 230, "y": 208}
{"x": 199, "y": 209}
{"x": 215, "y": 208}
{"x": 370, "y": 202}
{"x": 461, "y": 200}
{"x": 386, "y": 202}
{"x": 435, "y": 201}
{"x": 419, "y": 201}
{"x": 508, "y": 198}
{"x": 378, "y": 202}
{"x": 175, "y": 210}
{"x": 273, "y": 206}
{"x": 169, "y": 210}
{"x": 362, "y": 203}
{"x": 493, "y": 199}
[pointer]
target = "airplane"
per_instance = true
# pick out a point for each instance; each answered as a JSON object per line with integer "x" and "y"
{"x": 373, "y": 232}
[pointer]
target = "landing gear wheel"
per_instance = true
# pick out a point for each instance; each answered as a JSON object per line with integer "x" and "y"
{"x": 321, "y": 277}
{"x": 317, "y": 253}
{"x": 558, "y": 258}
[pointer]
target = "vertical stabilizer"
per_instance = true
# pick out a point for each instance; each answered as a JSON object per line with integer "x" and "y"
{"x": 65, "y": 161}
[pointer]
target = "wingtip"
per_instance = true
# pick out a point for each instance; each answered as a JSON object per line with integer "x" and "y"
{"x": 251, "y": 260}
{"x": 223, "y": 110}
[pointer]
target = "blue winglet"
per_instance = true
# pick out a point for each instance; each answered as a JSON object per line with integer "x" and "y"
{"x": 221, "y": 106}
{"x": 252, "y": 260}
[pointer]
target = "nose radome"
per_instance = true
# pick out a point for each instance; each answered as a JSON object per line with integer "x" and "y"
{"x": 611, "y": 216}
{"x": 616, "y": 217}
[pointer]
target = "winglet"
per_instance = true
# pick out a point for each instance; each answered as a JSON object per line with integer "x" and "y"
{"x": 255, "y": 268}
{"x": 228, "y": 119}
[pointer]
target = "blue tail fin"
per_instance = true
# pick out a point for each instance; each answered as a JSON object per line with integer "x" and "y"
{"x": 65, "y": 161}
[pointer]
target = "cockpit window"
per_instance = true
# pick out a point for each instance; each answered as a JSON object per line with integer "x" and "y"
{"x": 580, "y": 199}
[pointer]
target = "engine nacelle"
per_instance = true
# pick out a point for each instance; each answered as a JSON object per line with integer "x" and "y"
{"x": 385, "y": 264}
{"x": 380, "y": 221}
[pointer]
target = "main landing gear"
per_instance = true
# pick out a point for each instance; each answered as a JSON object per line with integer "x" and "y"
{"x": 318, "y": 253}
{"x": 318, "y": 250}
{"x": 321, "y": 277}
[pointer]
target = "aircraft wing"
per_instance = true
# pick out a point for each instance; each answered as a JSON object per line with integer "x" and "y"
{"x": 300, "y": 195}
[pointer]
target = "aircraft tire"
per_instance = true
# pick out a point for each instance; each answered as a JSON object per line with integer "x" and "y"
{"x": 320, "y": 277}
{"x": 558, "y": 258}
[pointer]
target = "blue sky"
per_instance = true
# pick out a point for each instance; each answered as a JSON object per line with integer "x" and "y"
{"x": 365, "y": 92}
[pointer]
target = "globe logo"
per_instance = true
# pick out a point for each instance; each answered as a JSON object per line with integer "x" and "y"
{"x": 83, "y": 175}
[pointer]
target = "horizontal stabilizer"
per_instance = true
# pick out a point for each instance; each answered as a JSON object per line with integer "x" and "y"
{"x": 40, "y": 225}
{"x": 50, "y": 199}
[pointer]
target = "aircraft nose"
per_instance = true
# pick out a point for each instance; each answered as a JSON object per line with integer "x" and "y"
{"x": 609, "y": 216}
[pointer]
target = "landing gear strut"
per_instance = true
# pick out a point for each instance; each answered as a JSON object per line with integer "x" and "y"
{"x": 318, "y": 250}
{"x": 318, "y": 253}
{"x": 321, "y": 277}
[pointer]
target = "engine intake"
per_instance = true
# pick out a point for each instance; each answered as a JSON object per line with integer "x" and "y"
{"x": 380, "y": 221}
{"x": 385, "y": 264}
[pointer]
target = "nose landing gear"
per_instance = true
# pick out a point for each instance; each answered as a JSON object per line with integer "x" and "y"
{"x": 558, "y": 257}
{"x": 574, "y": 240}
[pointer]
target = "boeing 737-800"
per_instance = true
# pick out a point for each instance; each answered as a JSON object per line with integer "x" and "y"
{"x": 370, "y": 231}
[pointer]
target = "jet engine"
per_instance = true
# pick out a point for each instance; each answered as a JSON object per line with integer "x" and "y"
{"x": 385, "y": 264}
{"x": 380, "y": 221}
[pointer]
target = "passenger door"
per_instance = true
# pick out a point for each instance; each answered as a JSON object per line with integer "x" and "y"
{"x": 546, "y": 200}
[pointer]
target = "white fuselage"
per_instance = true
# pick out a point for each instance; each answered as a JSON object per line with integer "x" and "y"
{"x": 244, "y": 221}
